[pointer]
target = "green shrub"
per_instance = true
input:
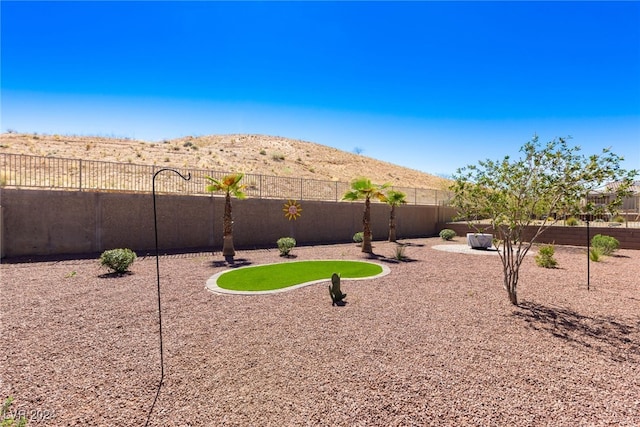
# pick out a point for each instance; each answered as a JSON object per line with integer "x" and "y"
{"x": 605, "y": 244}
{"x": 7, "y": 419}
{"x": 399, "y": 252}
{"x": 571, "y": 221}
{"x": 285, "y": 244}
{"x": 359, "y": 237}
{"x": 620, "y": 219}
{"x": 118, "y": 260}
{"x": 447, "y": 234}
{"x": 545, "y": 258}
{"x": 595, "y": 254}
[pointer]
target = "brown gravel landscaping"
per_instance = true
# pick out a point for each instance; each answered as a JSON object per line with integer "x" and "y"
{"x": 435, "y": 342}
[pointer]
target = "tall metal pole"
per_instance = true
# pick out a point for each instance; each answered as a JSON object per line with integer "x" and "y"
{"x": 155, "y": 225}
{"x": 588, "y": 256}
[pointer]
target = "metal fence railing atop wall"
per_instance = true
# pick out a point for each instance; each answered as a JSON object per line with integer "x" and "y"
{"x": 25, "y": 171}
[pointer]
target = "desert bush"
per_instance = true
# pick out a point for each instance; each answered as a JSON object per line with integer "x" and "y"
{"x": 118, "y": 260}
{"x": 285, "y": 244}
{"x": 595, "y": 254}
{"x": 605, "y": 244}
{"x": 571, "y": 221}
{"x": 447, "y": 234}
{"x": 398, "y": 253}
{"x": 619, "y": 218}
{"x": 7, "y": 419}
{"x": 359, "y": 237}
{"x": 545, "y": 258}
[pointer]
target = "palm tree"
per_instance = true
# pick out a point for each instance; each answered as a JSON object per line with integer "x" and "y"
{"x": 393, "y": 199}
{"x": 230, "y": 185}
{"x": 362, "y": 188}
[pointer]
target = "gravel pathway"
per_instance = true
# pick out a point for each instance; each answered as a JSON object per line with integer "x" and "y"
{"x": 435, "y": 342}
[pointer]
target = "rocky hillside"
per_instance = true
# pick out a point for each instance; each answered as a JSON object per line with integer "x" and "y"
{"x": 260, "y": 154}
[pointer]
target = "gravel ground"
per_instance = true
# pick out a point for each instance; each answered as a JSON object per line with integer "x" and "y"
{"x": 435, "y": 342}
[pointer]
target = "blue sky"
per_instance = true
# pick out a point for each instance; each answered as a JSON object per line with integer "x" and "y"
{"x": 429, "y": 85}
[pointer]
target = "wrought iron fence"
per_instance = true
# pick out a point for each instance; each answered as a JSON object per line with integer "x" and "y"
{"x": 26, "y": 171}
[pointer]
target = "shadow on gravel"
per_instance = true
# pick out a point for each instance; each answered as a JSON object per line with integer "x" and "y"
{"x": 607, "y": 336}
{"x": 234, "y": 263}
{"x": 114, "y": 275}
{"x": 396, "y": 261}
{"x": 411, "y": 244}
{"x": 388, "y": 260}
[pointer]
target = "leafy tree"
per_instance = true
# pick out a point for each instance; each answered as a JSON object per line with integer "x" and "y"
{"x": 231, "y": 186}
{"x": 548, "y": 181}
{"x": 394, "y": 198}
{"x": 362, "y": 188}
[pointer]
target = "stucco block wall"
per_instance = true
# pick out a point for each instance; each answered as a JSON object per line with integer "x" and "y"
{"x": 629, "y": 238}
{"x": 126, "y": 220}
{"x": 33, "y": 224}
{"x": 41, "y": 222}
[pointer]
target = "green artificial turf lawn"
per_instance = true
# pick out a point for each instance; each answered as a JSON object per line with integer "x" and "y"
{"x": 283, "y": 275}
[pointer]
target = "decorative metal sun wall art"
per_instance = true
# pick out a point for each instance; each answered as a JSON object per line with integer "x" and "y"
{"x": 292, "y": 210}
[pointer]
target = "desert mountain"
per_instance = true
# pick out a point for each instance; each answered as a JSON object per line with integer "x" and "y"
{"x": 258, "y": 154}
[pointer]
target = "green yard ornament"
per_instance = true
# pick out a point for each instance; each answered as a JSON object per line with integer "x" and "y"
{"x": 334, "y": 290}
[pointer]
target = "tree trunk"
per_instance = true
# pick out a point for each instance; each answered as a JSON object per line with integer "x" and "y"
{"x": 392, "y": 224}
{"x": 511, "y": 267}
{"x": 366, "y": 228}
{"x": 227, "y": 238}
{"x": 512, "y": 289}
